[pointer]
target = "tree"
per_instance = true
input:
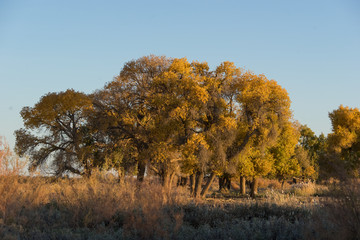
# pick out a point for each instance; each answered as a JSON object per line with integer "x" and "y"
{"x": 123, "y": 111}
{"x": 310, "y": 151}
{"x": 176, "y": 103}
{"x": 56, "y": 130}
{"x": 308, "y": 167}
{"x": 166, "y": 116}
{"x": 242, "y": 120}
{"x": 206, "y": 147}
{"x": 245, "y": 168}
{"x": 344, "y": 141}
{"x": 286, "y": 165}
{"x": 264, "y": 109}
{"x": 315, "y": 145}
{"x": 10, "y": 164}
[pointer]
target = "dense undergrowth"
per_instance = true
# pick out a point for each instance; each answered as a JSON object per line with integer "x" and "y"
{"x": 102, "y": 208}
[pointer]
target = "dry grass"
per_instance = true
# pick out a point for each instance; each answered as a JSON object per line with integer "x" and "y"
{"x": 272, "y": 184}
{"x": 303, "y": 189}
{"x": 95, "y": 203}
{"x": 339, "y": 218}
{"x": 101, "y": 208}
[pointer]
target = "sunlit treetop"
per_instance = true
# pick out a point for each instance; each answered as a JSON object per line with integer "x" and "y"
{"x": 53, "y": 107}
{"x": 346, "y": 128}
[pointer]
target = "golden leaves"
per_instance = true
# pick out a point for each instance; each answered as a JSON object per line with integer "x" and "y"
{"x": 344, "y": 141}
{"x": 54, "y": 106}
{"x": 346, "y": 128}
{"x": 162, "y": 107}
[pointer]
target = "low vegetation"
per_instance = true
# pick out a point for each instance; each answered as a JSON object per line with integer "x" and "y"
{"x": 102, "y": 208}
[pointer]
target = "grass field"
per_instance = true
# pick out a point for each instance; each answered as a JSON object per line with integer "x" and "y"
{"x": 102, "y": 208}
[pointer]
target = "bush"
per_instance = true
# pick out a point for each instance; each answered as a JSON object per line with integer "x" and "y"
{"x": 303, "y": 189}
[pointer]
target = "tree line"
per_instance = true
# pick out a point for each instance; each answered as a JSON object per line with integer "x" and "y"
{"x": 169, "y": 117}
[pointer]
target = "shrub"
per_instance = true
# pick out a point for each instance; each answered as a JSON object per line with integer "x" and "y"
{"x": 303, "y": 189}
{"x": 339, "y": 216}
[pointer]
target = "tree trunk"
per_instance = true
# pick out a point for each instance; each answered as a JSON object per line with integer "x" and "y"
{"x": 282, "y": 184}
{"x": 192, "y": 185}
{"x": 254, "y": 187}
{"x": 242, "y": 185}
{"x": 141, "y": 171}
{"x": 208, "y": 184}
{"x": 121, "y": 177}
{"x": 165, "y": 180}
{"x": 172, "y": 176}
{"x": 182, "y": 181}
{"x": 198, "y": 184}
{"x": 228, "y": 182}
{"x": 225, "y": 181}
{"x": 221, "y": 182}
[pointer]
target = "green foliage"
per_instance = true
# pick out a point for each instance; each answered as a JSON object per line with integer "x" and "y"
{"x": 311, "y": 152}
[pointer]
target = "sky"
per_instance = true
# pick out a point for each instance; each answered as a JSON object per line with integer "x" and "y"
{"x": 311, "y": 48}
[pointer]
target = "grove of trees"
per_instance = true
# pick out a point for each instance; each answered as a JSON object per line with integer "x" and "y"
{"x": 168, "y": 117}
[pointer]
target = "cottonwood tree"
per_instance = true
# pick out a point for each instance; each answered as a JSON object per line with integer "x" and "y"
{"x": 167, "y": 114}
{"x": 56, "y": 130}
{"x": 176, "y": 103}
{"x": 286, "y": 164}
{"x": 264, "y": 111}
{"x": 344, "y": 141}
{"x": 123, "y": 111}
{"x": 308, "y": 167}
{"x": 205, "y": 150}
{"x": 244, "y": 111}
{"x": 312, "y": 153}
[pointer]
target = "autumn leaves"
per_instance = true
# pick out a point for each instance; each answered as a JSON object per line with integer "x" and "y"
{"x": 167, "y": 117}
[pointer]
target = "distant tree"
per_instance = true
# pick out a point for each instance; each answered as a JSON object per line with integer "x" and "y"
{"x": 56, "y": 130}
{"x": 308, "y": 140}
{"x": 309, "y": 152}
{"x": 344, "y": 141}
{"x": 315, "y": 145}
{"x": 10, "y": 164}
{"x": 308, "y": 165}
{"x": 286, "y": 165}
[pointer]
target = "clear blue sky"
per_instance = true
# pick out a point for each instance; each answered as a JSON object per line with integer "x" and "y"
{"x": 311, "y": 48}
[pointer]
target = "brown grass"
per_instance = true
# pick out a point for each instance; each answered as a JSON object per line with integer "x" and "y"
{"x": 31, "y": 206}
{"x": 342, "y": 211}
{"x": 33, "y": 202}
{"x": 272, "y": 184}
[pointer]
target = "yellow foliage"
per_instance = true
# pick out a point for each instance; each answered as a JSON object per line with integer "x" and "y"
{"x": 345, "y": 138}
{"x": 54, "y": 106}
{"x": 158, "y": 107}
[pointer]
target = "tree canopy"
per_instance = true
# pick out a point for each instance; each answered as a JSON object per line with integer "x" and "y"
{"x": 56, "y": 129}
{"x": 344, "y": 141}
{"x": 167, "y": 116}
